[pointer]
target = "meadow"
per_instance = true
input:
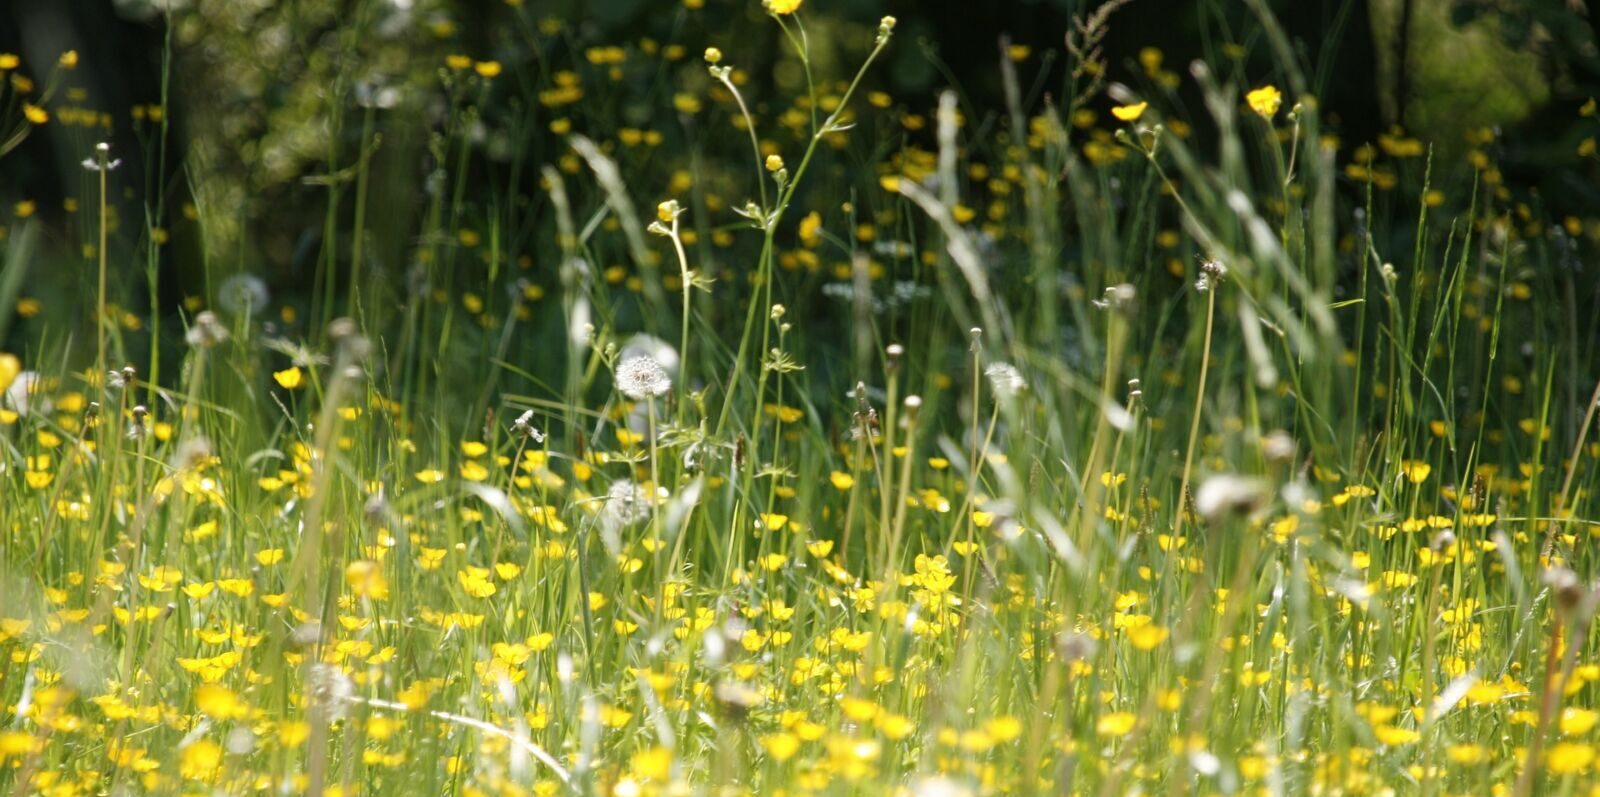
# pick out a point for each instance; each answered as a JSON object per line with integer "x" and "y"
{"x": 1071, "y": 439}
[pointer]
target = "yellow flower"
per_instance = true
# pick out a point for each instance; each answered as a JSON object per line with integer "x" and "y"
{"x": 1265, "y": 101}
{"x": 35, "y": 114}
{"x": 774, "y": 162}
{"x": 784, "y": 6}
{"x": 1129, "y": 113}
{"x": 1117, "y": 723}
{"x": 9, "y": 61}
{"x": 220, "y": 702}
{"x": 475, "y": 582}
{"x": 654, "y": 764}
{"x": 1147, "y": 637}
{"x": 781, "y": 746}
{"x": 10, "y": 366}
{"x": 69, "y": 59}
{"x": 1394, "y": 737}
{"x": 1566, "y": 758}
{"x": 200, "y": 760}
{"x": 1004, "y": 729}
{"x": 366, "y": 579}
{"x": 487, "y": 68}
{"x": 1577, "y": 721}
{"x": 290, "y": 378}
{"x": 1416, "y": 471}
{"x": 713, "y": 55}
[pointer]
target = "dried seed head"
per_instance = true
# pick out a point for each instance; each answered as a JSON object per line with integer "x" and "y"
{"x": 1568, "y": 589}
{"x": 523, "y": 425}
{"x": 1226, "y": 494}
{"x": 1005, "y": 380}
{"x": 737, "y": 699}
{"x": 207, "y": 331}
{"x": 641, "y": 378}
{"x": 1117, "y": 297}
{"x": 1277, "y": 446}
{"x": 626, "y": 503}
{"x": 1443, "y": 540}
{"x": 1075, "y": 646}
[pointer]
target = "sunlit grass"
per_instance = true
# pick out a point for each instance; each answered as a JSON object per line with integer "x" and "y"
{"x": 1013, "y": 448}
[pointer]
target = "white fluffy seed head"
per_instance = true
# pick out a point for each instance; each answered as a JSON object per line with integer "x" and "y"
{"x": 641, "y": 378}
{"x": 626, "y": 503}
{"x": 1005, "y": 379}
{"x": 1227, "y": 494}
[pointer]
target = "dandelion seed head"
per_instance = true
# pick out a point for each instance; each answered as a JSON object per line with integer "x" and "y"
{"x": 626, "y": 503}
{"x": 1005, "y": 379}
{"x": 243, "y": 294}
{"x": 1075, "y": 646}
{"x": 641, "y": 378}
{"x": 140, "y": 422}
{"x": 939, "y": 786}
{"x": 1117, "y": 297}
{"x": 1228, "y": 494}
{"x": 207, "y": 331}
{"x": 523, "y": 425}
{"x": 329, "y": 687}
{"x": 1277, "y": 446}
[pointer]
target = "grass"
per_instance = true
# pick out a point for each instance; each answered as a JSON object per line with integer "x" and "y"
{"x": 1013, "y": 449}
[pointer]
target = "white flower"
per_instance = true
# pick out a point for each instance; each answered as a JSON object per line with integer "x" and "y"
{"x": 641, "y": 378}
